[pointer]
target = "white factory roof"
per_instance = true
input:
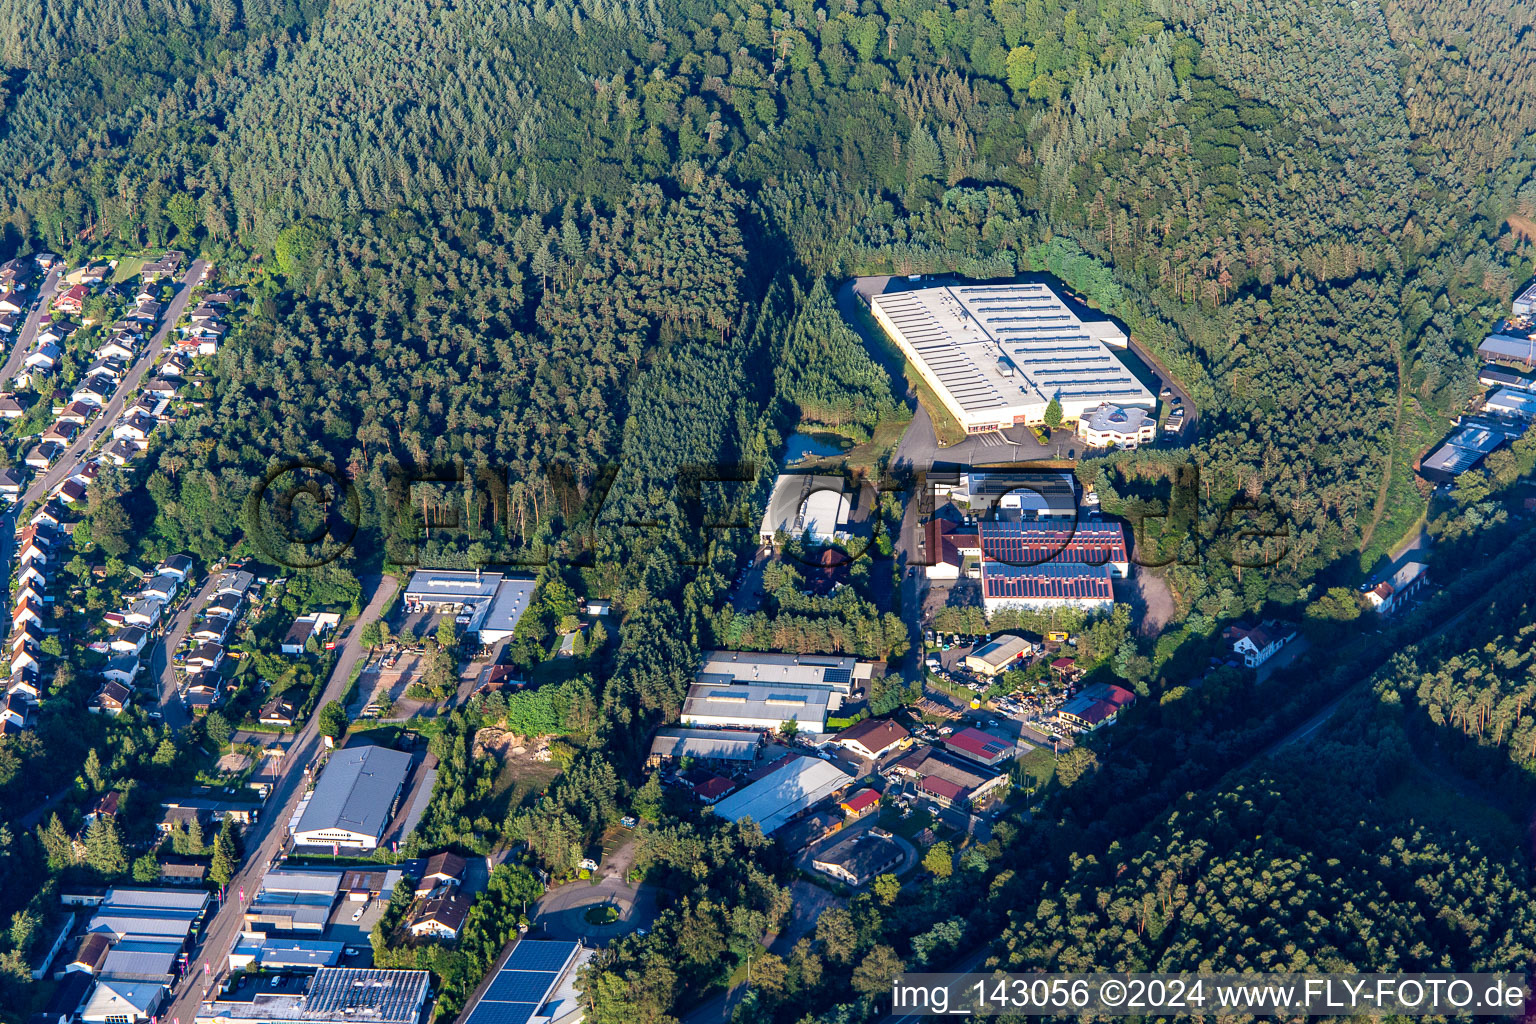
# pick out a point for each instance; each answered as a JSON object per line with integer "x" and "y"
{"x": 997, "y": 347}
{"x": 783, "y": 793}
{"x": 837, "y": 671}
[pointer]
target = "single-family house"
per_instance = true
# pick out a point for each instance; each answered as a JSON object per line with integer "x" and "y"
{"x": 441, "y": 917}
{"x": 207, "y": 658}
{"x": 77, "y": 412}
{"x": 143, "y": 612}
{"x": 113, "y": 699}
{"x": 129, "y": 640}
{"x": 122, "y": 669}
{"x": 1257, "y": 644}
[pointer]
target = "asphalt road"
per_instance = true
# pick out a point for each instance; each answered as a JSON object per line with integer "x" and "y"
{"x": 29, "y": 328}
{"x": 161, "y": 667}
{"x": 107, "y": 418}
{"x": 266, "y": 838}
{"x": 103, "y": 422}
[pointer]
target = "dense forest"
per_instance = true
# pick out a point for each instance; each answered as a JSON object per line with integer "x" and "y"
{"x": 553, "y": 263}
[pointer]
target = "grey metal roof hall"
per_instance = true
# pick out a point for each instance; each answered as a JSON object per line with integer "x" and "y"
{"x": 356, "y": 791}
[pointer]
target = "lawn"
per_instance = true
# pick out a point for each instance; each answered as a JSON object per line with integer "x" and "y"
{"x": 1040, "y": 765}
{"x": 127, "y": 268}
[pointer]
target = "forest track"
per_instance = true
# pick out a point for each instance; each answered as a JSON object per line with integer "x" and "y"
{"x": 1397, "y": 429}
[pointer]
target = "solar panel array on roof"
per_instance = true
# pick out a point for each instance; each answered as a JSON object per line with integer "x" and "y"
{"x": 524, "y": 983}
{"x": 381, "y": 995}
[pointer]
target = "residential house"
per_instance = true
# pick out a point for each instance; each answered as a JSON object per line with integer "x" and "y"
{"x": 1388, "y": 596}
{"x": 117, "y": 347}
{"x": 441, "y": 917}
{"x": 12, "y": 482}
{"x": 207, "y": 658}
{"x": 188, "y": 873}
{"x": 25, "y": 612}
{"x": 872, "y": 738}
{"x": 31, "y": 574}
{"x": 113, "y": 699}
{"x": 212, "y": 629}
{"x": 72, "y": 301}
{"x": 1097, "y": 706}
{"x": 10, "y": 408}
{"x": 161, "y": 588}
{"x": 122, "y": 669}
{"x": 179, "y": 566}
{"x": 441, "y": 870}
{"x": 134, "y": 428}
{"x": 77, "y": 412}
{"x": 48, "y": 512}
{"x": 1257, "y": 644}
{"x": 71, "y": 491}
{"x": 129, "y": 640}
{"x": 43, "y": 455}
{"x": 95, "y": 392}
{"x": 120, "y": 453}
{"x": 282, "y": 711}
{"x": 143, "y": 612}
{"x": 45, "y": 357}
{"x": 61, "y": 433}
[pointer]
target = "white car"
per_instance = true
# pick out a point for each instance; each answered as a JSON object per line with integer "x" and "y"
{"x": 357, "y": 915}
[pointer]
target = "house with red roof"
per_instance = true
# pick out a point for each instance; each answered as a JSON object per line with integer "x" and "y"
{"x": 861, "y": 803}
{"x": 72, "y": 301}
{"x": 981, "y": 747}
{"x": 713, "y": 789}
{"x": 1095, "y": 707}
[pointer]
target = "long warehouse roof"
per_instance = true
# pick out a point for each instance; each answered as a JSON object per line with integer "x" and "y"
{"x": 997, "y": 346}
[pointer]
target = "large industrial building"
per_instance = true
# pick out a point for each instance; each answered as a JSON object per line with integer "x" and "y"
{"x": 1032, "y": 563}
{"x": 806, "y": 506}
{"x": 536, "y": 982}
{"x": 794, "y": 785}
{"x": 486, "y": 603}
{"x": 751, "y": 690}
{"x": 997, "y": 354}
{"x": 352, "y": 803}
{"x": 332, "y": 995}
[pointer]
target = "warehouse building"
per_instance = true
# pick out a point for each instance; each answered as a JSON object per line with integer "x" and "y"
{"x": 947, "y": 780}
{"x": 981, "y": 747}
{"x": 332, "y": 995}
{"x": 1052, "y": 585}
{"x": 711, "y": 747}
{"x": 1510, "y": 342}
{"x": 793, "y": 786}
{"x": 764, "y": 691}
{"x": 354, "y": 799}
{"x": 293, "y": 901}
{"x": 1088, "y": 542}
{"x": 1464, "y": 449}
{"x": 857, "y": 858}
{"x": 487, "y": 604}
{"x": 997, "y": 354}
{"x": 999, "y": 655}
{"x": 804, "y": 505}
{"x": 1514, "y": 402}
{"x": 535, "y": 982}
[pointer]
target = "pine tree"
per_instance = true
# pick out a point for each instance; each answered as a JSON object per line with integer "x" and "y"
{"x": 226, "y": 854}
{"x": 57, "y": 844}
{"x": 104, "y": 849}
